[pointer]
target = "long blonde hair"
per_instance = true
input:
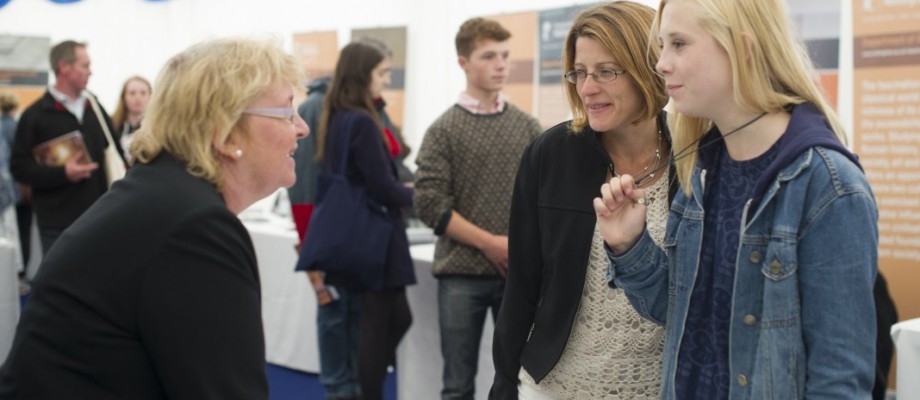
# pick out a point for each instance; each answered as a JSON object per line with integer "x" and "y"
{"x": 121, "y": 110}
{"x": 770, "y": 68}
{"x": 201, "y": 95}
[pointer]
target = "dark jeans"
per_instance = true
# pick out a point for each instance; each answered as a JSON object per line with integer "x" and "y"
{"x": 385, "y": 318}
{"x": 24, "y": 223}
{"x": 338, "y": 332}
{"x": 463, "y": 303}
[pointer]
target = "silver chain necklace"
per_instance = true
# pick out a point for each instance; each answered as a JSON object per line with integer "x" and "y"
{"x": 655, "y": 160}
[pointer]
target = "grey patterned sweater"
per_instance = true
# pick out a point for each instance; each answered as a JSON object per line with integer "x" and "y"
{"x": 467, "y": 163}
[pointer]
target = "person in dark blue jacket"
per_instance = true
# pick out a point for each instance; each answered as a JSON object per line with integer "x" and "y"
{"x": 363, "y": 70}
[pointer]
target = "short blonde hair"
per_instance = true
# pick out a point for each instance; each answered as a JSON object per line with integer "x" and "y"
{"x": 200, "y": 98}
{"x": 770, "y": 67}
{"x": 622, "y": 28}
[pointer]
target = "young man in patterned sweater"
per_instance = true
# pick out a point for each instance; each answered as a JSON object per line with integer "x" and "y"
{"x": 466, "y": 169}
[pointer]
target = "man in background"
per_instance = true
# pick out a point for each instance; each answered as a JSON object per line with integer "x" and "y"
{"x": 466, "y": 168}
{"x": 62, "y": 192}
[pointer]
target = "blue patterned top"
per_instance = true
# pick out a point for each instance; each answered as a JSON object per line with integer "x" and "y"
{"x": 702, "y": 365}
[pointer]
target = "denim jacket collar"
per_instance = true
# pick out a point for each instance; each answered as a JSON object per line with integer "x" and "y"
{"x": 808, "y": 128}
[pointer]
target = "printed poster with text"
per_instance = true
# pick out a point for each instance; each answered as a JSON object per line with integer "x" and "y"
{"x": 552, "y": 106}
{"x": 886, "y": 124}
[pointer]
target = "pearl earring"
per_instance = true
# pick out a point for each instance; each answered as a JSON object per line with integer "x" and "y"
{"x": 238, "y": 153}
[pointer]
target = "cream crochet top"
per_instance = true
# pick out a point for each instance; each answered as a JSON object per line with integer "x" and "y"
{"x": 612, "y": 352}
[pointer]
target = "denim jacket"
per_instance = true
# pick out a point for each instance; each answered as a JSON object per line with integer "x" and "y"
{"x": 803, "y": 317}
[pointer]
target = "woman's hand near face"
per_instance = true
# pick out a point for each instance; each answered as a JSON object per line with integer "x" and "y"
{"x": 621, "y": 212}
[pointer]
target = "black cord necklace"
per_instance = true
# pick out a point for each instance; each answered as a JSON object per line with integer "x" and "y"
{"x": 686, "y": 150}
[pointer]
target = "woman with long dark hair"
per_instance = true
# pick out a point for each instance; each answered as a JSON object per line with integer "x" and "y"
{"x": 363, "y": 70}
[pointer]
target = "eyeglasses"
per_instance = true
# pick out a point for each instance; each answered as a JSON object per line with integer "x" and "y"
{"x": 603, "y": 75}
{"x": 283, "y": 113}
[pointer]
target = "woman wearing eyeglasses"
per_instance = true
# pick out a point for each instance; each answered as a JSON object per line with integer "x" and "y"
{"x": 361, "y": 73}
{"x": 561, "y": 332}
{"x": 153, "y": 293}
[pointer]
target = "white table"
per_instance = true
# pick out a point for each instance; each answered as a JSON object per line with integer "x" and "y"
{"x": 288, "y": 301}
{"x": 906, "y": 336}
{"x": 419, "y": 362}
{"x": 9, "y": 296}
{"x": 289, "y": 311}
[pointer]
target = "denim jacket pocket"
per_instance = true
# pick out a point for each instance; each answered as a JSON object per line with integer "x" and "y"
{"x": 779, "y": 262}
{"x": 781, "y": 301}
{"x": 781, "y": 354}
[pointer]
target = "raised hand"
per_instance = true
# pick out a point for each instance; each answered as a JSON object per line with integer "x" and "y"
{"x": 621, "y": 212}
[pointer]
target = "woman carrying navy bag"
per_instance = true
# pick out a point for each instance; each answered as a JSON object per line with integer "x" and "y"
{"x": 363, "y": 70}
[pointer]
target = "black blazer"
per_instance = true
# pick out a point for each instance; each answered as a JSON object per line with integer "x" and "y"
{"x": 152, "y": 294}
{"x": 552, "y": 224}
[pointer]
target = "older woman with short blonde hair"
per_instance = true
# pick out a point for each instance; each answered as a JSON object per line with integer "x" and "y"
{"x": 154, "y": 292}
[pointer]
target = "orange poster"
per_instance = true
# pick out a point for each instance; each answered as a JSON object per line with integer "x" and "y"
{"x": 886, "y": 125}
{"x": 523, "y": 27}
{"x": 318, "y": 53}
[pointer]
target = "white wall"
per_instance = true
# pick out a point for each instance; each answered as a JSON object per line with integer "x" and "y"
{"x": 128, "y": 37}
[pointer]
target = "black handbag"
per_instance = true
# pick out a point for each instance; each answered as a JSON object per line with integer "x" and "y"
{"x": 349, "y": 232}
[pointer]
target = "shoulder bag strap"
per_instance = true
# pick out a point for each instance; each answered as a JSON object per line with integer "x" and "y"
{"x": 345, "y": 142}
{"x": 101, "y": 119}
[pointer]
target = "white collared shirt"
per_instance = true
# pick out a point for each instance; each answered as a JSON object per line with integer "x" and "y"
{"x": 75, "y": 106}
